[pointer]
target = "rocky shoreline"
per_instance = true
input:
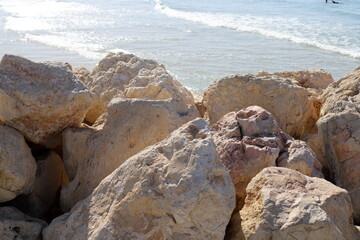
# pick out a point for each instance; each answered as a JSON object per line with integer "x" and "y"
{"x": 126, "y": 152}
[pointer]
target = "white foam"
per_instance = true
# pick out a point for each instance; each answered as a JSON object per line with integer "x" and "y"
{"x": 35, "y": 15}
{"x": 69, "y": 42}
{"x": 314, "y": 34}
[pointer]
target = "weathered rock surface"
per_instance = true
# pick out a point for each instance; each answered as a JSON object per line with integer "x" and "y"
{"x": 130, "y": 125}
{"x": 40, "y": 99}
{"x": 175, "y": 189}
{"x": 297, "y": 117}
{"x": 284, "y": 204}
{"x": 315, "y": 79}
{"x": 250, "y": 140}
{"x": 339, "y": 130}
{"x": 50, "y": 176}
{"x": 16, "y": 225}
{"x": 126, "y": 75}
{"x": 17, "y": 165}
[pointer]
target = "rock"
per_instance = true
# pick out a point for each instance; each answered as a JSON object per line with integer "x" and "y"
{"x": 250, "y": 140}
{"x": 175, "y": 189}
{"x": 50, "y": 176}
{"x": 297, "y": 117}
{"x": 126, "y": 75}
{"x": 16, "y": 225}
{"x": 198, "y": 98}
{"x": 316, "y": 78}
{"x": 17, "y": 165}
{"x": 284, "y": 204}
{"x": 130, "y": 125}
{"x": 339, "y": 130}
{"x": 40, "y": 99}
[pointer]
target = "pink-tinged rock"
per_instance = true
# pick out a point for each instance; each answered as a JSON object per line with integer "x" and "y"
{"x": 294, "y": 110}
{"x": 40, "y": 99}
{"x": 250, "y": 140}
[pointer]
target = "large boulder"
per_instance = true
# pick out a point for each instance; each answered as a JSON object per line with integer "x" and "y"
{"x": 16, "y": 225}
{"x": 128, "y": 76}
{"x": 295, "y": 112}
{"x": 50, "y": 176}
{"x": 17, "y": 165}
{"x": 40, "y": 99}
{"x": 339, "y": 130}
{"x": 130, "y": 125}
{"x": 284, "y": 204}
{"x": 250, "y": 140}
{"x": 175, "y": 189}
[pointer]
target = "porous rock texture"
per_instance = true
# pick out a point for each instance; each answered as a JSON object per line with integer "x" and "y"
{"x": 15, "y": 225}
{"x": 17, "y": 165}
{"x": 295, "y": 112}
{"x": 175, "y": 189}
{"x": 284, "y": 204}
{"x": 128, "y": 76}
{"x": 130, "y": 125}
{"x": 50, "y": 176}
{"x": 339, "y": 130}
{"x": 315, "y": 79}
{"x": 40, "y": 99}
{"x": 250, "y": 140}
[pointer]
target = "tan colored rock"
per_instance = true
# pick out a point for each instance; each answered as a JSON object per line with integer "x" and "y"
{"x": 284, "y": 204}
{"x": 339, "y": 130}
{"x": 17, "y": 165}
{"x": 175, "y": 189}
{"x": 315, "y": 78}
{"x": 50, "y": 176}
{"x": 40, "y": 99}
{"x": 198, "y": 98}
{"x": 126, "y": 75}
{"x": 130, "y": 126}
{"x": 250, "y": 140}
{"x": 16, "y": 225}
{"x": 288, "y": 102}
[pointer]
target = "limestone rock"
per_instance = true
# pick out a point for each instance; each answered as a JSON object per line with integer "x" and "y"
{"x": 50, "y": 176}
{"x": 16, "y": 225}
{"x": 17, "y": 165}
{"x": 126, "y": 75}
{"x": 40, "y": 99}
{"x": 130, "y": 125}
{"x": 316, "y": 78}
{"x": 175, "y": 189}
{"x": 288, "y": 102}
{"x": 250, "y": 140}
{"x": 284, "y": 204}
{"x": 339, "y": 130}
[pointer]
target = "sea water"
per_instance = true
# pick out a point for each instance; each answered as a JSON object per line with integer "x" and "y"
{"x": 198, "y": 41}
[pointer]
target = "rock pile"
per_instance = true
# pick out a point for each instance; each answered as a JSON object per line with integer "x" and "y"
{"x": 121, "y": 153}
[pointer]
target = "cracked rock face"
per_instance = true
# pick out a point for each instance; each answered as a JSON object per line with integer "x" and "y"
{"x": 339, "y": 130}
{"x": 40, "y": 99}
{"x": 17, "y": 165}
{"x": 250, "y": 140}
{"x": 128, "y": 76}
{"x": 294, "y": 111}
{"x": 175, "y": 189}
{"x": 130, "y": 125}
{"x": 284, "y": 204}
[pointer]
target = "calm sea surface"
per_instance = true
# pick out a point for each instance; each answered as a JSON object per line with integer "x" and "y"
{"x": 198, "y": 41}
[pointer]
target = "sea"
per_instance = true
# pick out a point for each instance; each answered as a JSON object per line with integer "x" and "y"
{"x": 198, "y": 41}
